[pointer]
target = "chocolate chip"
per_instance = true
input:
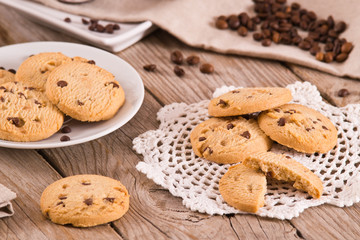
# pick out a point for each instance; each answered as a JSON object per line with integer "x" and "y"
{"x": 207, "y": 68}
{"x": 202, "y": 139}
{"x": 2, "y": 68}
{"x": 59, "y": 203}
{"x": 209, "y": 150}
{"x": 308, "y": 129}
{"x": 276, "y": 110}
{"x": 84, "y": 21}
{"x": 67, "y": 19}
{"x": 66, "y": 129}
{"x": 179, "y": 71}
{"x": 246, "y": 134}
{"x": 150, "y": 67}
{"x": 193, "y": 60}
{"x": 18, "y": 122}
{"x": 62, "y": 83}
{"x": 29, "y": 88}
{"x": 222, "y": 102}
{"x": 235, "y": 91}
{"x": 2, "y": 99}
{"x": 64, "y": 138}
{"x": 287, "y": 157}
{"x": 22, "y": 95}
{"x": 115, "y": 85}
{"x": 91, "y": 62}
{"x": 343, "y": 92}
{"x": 281, "y": 122}
{"x": 177, "y": 57}
{"x": 88, "y": 201}
{"x": 80, "y": 103}
{"x": 43, "y": 71}
{"x": 12, "y": 71}
{"x": 324, "y": 127}
{"x": 62, "y": 197}
{"x": 86, "y": 183}
{"x": 230, "y": 126}
{"x": 109, "y": 199}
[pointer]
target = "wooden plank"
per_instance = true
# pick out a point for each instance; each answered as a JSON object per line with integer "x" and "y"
{"x": 27, "y": 174}
{"x": 330, "y": 85}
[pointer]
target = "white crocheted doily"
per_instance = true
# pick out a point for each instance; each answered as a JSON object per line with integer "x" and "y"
{"x": 170, "y": 162}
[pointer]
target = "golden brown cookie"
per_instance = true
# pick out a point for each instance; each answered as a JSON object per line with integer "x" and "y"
{"x": 243, "y": 188}
{"x": 282, "y": 167}
{"x": 85, "y": 91}
{"x": 26, "y": 114}
{"x": 228, "y": 140}
{"x": 6, "y": 76}
{"x": 35, "y": 70}
{"x": 299, "y": 127}
{"x": 248, "y": 100}
{"x": 84, "y": 200}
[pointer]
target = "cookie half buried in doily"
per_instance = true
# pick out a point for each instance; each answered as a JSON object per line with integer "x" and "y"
{"x": 248, "y": 100}
{"x": 299, "y": 127}
{"x": 228, "y": 140}
{"x": 243, "y": 188}
{"x": 282, "y": 167}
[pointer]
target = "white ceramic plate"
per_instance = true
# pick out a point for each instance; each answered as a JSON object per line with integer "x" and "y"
{"x": 13, "y": 55}
{"x": 129, "y": 33}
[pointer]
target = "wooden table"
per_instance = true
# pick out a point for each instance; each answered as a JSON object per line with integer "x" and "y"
{"x": 154, "y": 213}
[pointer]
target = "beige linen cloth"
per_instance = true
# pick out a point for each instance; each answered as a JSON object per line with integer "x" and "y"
{"x": 6, "y": 195}
{"x": 192, "y": 22}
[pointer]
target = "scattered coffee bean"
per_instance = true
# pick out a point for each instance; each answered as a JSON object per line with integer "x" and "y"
{"x": 150, "y": 67}
{"x": 193, "y": 60}
{"x": 84, "y": 21}
{"x": 341, "y": 57}
{"x": 179, "y": 71}
{"x": 242, "y": 31}
{"x": 266, "y": 42}
{"x": 64, "y": 138}
{"x": 177, "y": 57}
{"x": 319, "y": 56}
{"x": 109, "y": 28}
{"x": 221, "y": 24}
{"x": 346, "y": 47}
{"x": 66, "y": 129}
{"x": 233, "y": 22}
{"x": 257, "y": 36}
{"x": 328, "y": 57}
{"x": 116, "y": 26}
{"x": 207, "y": 68}
{"x": 343, "y": 92}
{"x": 68, "y": 20}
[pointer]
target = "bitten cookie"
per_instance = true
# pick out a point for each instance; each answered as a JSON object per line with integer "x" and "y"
{"x": 248, "y": 100}
{"x": 299, "y": 127}
{"x": 84, "y": 200}
{"x": 282, "y": 167}
{"x": 243, "y": 188}
{"x": 35, "y": 70}
{"x": 228, "y": 140}
{"x": 26, "y": 114}
{"x": 6, "y": 76}
{"x": 85, "y": 91}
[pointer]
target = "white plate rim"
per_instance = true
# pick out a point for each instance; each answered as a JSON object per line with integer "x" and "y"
{"x": 56, "y": 46}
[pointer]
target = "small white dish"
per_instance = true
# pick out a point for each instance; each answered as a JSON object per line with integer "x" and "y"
{"x": 13, "y": 55}
{"x": 128, "y": 34}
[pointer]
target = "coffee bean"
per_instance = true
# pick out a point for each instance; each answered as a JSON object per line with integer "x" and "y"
{"x": 62, "y": 83}
{"x": 304, "y": 25}
{"x": 84, "y": 21}
{"x": 312, "y": 16}
{"x": 66, "y": 129}
{"x": 177, "y": 57}
{"x": 337, "y": 47}
{"x": 251, "y": 26}
{"x": 296, "y": 40}
{"x": 100, "y": 28}
{"x": 295, "y": 20}
{"x": 340, "y": 27}
{"x": 266, "y": 42}
{"x": 179, "y": 71}
{"x": 328, "y": 57}
{"x": 116, "y": 26}
{"x": 256, "y": 20}
{"x": 276, "y": 37}
{"x": 221, "y": 24}
{"x": 332, "y": 33}
{"x": 244, "y": 18}
{"x": 346, "y": 47}
{"x": 242, "y": 31}
{"x": 233, "y": 22}
{"x": 314, "y": 50}
{"x": 150, "y": 67}
{"x": 341, "y": 57}
{"x": 207, "y": 68}
{"x": 266, "y": 33}
{"x": 193, "y": 60}
{"x": 330, "y": 22}
{"x": 257, "y": 36}
{"x": 109, "y": 28}
{"x": 295, "y": 6}
{"x": 343, "y": 92}
{"x": 67, "y": 20}
{"x": 304, "y": 45}
{"x": 64, "y": 138}
{"x": 329, "y": 47}
{"x": 222, "y": 17}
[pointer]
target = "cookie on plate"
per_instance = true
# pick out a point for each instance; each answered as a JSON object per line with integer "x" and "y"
{"x": 35, "y": 70}
{"x": 299, "y": 127}
{"x": 243, "y": 188}
{"x": 26, "y": 114}
{"x": 85, "y": 91}
{"x": 84, "y": 200}
{"x": 6, "y": 76}
{"x": 228, "y": 140}
{"x": 248, "y": 100}
{"x": 282, "y": 167}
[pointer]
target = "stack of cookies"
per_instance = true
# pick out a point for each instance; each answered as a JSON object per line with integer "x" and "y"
{"x": 243, "y": 125}
{"x": 48, "y": 85}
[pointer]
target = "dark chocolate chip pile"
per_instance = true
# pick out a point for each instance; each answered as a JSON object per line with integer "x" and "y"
{"x": 280, "y": 23}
